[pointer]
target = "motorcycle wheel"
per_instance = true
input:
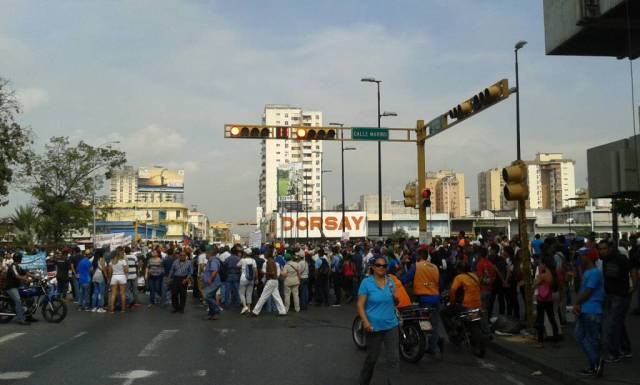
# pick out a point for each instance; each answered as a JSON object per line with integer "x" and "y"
{"x": 6, "y": 306}
{"x": 412, "y": 343}
{"x": 54, "y": 311}
{"x": 477, "y": 340}
{"x": 358, "y": 333}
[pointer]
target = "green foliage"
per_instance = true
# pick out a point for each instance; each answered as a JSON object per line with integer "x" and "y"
{"x": 64, "y": 181}
{"x": 398, "y": 235}
{"x": 627, "y": 205}
{"x": 26, "y": 225}
{"x": 14, "y": 139}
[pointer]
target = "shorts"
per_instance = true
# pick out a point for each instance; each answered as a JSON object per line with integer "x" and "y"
{"x": 118, "y": 280}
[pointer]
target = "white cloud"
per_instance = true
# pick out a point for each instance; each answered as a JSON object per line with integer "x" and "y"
{"x": 31, "y": 98}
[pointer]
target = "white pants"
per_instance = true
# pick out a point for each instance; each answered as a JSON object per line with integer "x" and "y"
{"x": 246, "y": 292}
{"x": 288, "y": 290}
{"x": 270, "y": 290}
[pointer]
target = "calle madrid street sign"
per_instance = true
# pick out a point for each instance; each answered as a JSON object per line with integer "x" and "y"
{"x": 369, "y": 133}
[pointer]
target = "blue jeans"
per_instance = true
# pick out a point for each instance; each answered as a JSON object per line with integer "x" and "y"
{"x": 232, "y": 298}
{"x": 131, "y": 294}
{"x": 14, "y": 294}
{"x": 76, "y": 289}
{"x": 84, "y": 299}
{"x": 155, "y": 289}
{"x": 166, "y": 291}
{"x": 435, "y": 324}
{"x": 210, "y": 298}
{"x": 304, "y": 293}
{"x": 616, "y": 308}
{"x": 97, "y": 299}
{"x": 587, "y": 334}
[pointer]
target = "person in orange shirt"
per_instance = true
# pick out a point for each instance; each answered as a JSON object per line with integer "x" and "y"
{"x": 469, "y": 283}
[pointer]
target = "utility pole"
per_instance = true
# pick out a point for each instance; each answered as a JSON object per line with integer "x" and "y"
{"x": 422, "y": 211}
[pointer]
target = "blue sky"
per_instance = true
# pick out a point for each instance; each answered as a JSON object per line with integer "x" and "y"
{"x": 164, "y": 76}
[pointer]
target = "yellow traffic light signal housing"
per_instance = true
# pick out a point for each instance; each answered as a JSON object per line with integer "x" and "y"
{"x": 315, "y": 133}
{"x": 515, "y": 177}
{"x": 483, "y": 99}
{"x": 409, "y": 195}
{"x": 250, "y": 132}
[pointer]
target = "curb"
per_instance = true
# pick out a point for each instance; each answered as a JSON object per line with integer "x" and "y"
{"x": 546, "y": 369}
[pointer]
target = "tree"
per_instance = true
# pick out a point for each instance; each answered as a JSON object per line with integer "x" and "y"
{"x": 398, "y": 235}
{"x": 629, "y": 204}
{"x": 64, "y": 181}
{"x": 25, "y": 223}
{"x": 15, "y": 140}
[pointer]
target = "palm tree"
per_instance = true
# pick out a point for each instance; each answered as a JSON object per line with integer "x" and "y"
{"x": 26, "y": 225}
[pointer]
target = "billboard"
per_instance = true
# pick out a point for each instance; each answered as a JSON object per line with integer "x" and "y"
{"x": 290, "y": 186}
{"x": 294, "y": 225}
{"x": 160, "y": 179}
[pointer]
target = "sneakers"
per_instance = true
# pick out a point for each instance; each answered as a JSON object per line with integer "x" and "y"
{"x": 100, "y": 310}
{"x": 244, "y": 310}
{"x": 587, "y": 372}
{"x": 627, "y": 355}
{"x": 613, "y": 360}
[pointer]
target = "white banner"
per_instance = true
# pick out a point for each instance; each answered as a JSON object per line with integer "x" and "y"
{"x": 295, "y": 224}
{"x": 255, "y": 239}
{"x": 113, "y": 240}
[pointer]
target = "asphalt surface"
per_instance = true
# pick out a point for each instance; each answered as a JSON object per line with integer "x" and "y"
{"x": 154, "y": 346}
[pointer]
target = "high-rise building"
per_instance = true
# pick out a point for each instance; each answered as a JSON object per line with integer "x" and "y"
{"x": 147, "y": 185}
{"x": 490, "y": 185}
{"x": 281, "y": 153}
{"x": 447, "y": 192}
{"x": 124, "y": 185}
{"x": 551, "y": 182}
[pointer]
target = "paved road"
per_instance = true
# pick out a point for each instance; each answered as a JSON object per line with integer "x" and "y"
{"x": 154, "y": 346}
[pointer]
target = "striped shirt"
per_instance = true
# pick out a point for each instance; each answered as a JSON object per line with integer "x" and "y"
{"x": 181, "y": 269}
{"x": 132, "y": 264}
{"x": 155, "y": 267}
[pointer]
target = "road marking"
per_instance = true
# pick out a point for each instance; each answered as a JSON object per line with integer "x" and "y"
{"x": 9, "y": 337}
{"x": 511, "y": 379}
{"x": 200, "y": 373}
{"x": 222, "y": 352}
{"x": 15, "y": 375}
{"x": 133, "y": 375}
{"x": 486, "y": 365}
{"x": 60, "y": 344}
{"x": 148, "y": 351}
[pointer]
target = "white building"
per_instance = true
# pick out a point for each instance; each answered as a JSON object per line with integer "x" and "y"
{"x": 198, "y": 225}
{"x": 275, "y": 153}
{"x": 552, "y": 182}
{"x": 124, "y": 185}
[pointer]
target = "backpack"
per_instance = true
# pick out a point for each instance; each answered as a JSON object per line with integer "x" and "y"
{"x": 222, "y": 270}
{"x": 324, "y": 269}
{"x": 248, "y": 272}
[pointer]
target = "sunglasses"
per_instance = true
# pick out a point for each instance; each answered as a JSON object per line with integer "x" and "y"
{"x": 380, "y": 266}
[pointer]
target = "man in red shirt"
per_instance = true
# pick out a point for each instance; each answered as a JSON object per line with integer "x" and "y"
{"x": 486, "y": 272}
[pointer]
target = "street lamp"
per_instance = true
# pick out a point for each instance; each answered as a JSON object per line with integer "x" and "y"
{"x": 518, "y": 45}
{"x": 373, "y": 80}
{"x": 343, "y": 149}
{"x": 94, "y": 194}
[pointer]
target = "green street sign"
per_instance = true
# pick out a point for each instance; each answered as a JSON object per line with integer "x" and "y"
{"x": 369, "y": 133}
{"x": 436, "y": 125}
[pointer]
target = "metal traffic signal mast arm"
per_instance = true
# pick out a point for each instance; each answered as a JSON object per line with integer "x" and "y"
{"x": 259, "y": 131}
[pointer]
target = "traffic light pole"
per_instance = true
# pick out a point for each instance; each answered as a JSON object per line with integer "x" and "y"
{"x": 526, "y": 262}
{"x": 422, "y": 211}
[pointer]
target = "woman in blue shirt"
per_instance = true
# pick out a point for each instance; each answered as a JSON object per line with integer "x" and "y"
{"x": 376, "y": 307}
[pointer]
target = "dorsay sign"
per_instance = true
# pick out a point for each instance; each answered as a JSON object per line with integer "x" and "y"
{"x": 294, "y": 225}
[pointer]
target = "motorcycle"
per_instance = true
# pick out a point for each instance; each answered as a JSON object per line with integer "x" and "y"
{"x": 415, "y": 328}
{"x": 465, "y": 329}
{"x": 40, "y": 294}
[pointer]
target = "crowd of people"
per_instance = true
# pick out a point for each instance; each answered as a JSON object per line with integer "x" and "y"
{"x": 593, "y": 279}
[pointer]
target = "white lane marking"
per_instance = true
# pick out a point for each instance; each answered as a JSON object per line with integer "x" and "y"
{"x": 60, "y": 344}
{"x": 133, "y": 375}
{"x": 511, "y": 379}
{"x": 486, "y": 365}
{"x": 147, "y": 351}
{"x": 9, "y": 337}
{"x": 15, "y": 375}
{"x": 200, "y": 373}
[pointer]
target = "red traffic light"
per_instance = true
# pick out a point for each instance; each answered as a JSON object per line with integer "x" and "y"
{"x": 426, "y": 193}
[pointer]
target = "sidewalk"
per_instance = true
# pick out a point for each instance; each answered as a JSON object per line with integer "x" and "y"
{"x": 561, "y": 361}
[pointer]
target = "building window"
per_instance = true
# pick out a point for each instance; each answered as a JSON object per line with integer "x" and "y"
{"x": 317, "y": 162}
{"x": 277, "y": 144}
{"x": 286, "y": 115}
{"x": 277, "y": 122}
{"x": 277, "y": 114}
{"x": 286, "y": 122}
{"x": 177, "y": 213}
{"x": 317, "y": 116}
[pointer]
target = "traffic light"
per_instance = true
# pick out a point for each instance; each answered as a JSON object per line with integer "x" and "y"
{"x": 515, "y": 177}
{"x": 426, "y": 198}
{"x": 251, "y": 132}
{"x": 315, "y": 133}
{"x": 409, "y": 195}
{"x": 483, "y": 99}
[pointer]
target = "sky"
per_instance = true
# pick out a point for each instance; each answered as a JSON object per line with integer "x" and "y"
{"x": 164, "y": 76}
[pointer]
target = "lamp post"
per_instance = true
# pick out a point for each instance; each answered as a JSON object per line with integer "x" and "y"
{"x": 94, "y": 194}
{"x": 342, "y": 150}
{"x": 373, "y": 80}
{"x": 518, "y": 45}
{"x": 322, "y": 172}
